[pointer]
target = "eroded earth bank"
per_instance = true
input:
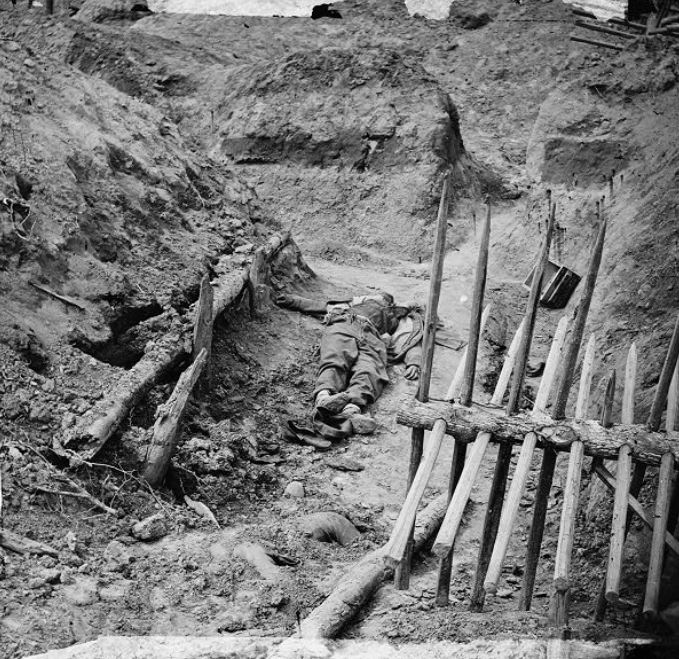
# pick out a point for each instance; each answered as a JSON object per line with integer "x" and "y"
{"x": 140, "y": 152}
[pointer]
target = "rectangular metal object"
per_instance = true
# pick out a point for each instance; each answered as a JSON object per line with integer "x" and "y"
{"x": 558, "y": 285}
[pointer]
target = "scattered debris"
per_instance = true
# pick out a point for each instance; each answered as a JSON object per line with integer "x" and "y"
{"x": 342, "y": 463}
{"x": 256, "y": 556}
{"x": 151, "y": 528}
{"x": 201, "y": 509}
{"x": 330, "y": 527}
{"x": 294, "y": 489}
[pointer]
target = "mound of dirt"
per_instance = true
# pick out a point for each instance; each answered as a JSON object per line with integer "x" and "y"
{"x": 362, "y": 137}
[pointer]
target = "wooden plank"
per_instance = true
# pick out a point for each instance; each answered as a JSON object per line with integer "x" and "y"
{"x": 551, "y": 366}
{"x": 606, "y": 30}
{"x": 582, "y": 404}
{"x": 564, "y": 549}
{"x": 477, "y": 306}
{"x": 665, "y": 380}
{"x": 402, "y": 572}
{"x": 454, "y": 388}
{"x": 166, "y": 427}
{"x": 618, "y": 526}
{"x": 396, "y": 547}
{"x": 658, "y": 538}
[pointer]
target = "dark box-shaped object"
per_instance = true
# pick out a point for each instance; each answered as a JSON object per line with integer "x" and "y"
{"x": 558, "y": 284}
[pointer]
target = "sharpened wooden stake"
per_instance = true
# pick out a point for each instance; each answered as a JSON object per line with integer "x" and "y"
{"x": 459, "y": 457}
{"x": 477, "y": 306}
{"x": 166, "y": 427}
{"x": 658, "y": 538}
{"x": 609, "y": 399}
{"x": 454, "y": 388}
{"x": 511, "y": 507}
{"x": 670, "y": 425}
{"x": 623, "y": 477}
{"x": 585, "y": 387}
{"x": 396, "y": 547}
{"x": 630, "y": 386}
{"x": 665, "y": 380}
{"x": 531, "y": 314}
{"x": 402, "y": 572}
{"x": 564, "y": 550}
{"x": 558, "y": 412}
{"x": 551, "y": 366}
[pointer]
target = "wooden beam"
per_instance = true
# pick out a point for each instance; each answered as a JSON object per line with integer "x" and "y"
{"x": 466, "y": 422}
{"x": 606, "y": 30}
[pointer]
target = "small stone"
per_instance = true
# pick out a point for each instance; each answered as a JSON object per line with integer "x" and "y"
{"x": 83, "y": 592}
{"x": 117, "y": 554}
{"x": 48, "y": 385}
{"x": 50, "y": 575}
{"x": 29, "y": 63}
{"x": 151, "y": 528}
{"x": 158, "y": 599}
{"x": 505, "y": 593}
{"x": 294, "y": 489}
{"x": 362, "y": 424}
{"x": 342, "y": 463}
{"x": 39, "y": 413}
{"x": 36, "y": 582}
{"x": 70, "y": 540}
{"x": 244, "y": 249}
{"x": 339, "y": 482}
{"x": 116, "y": 591}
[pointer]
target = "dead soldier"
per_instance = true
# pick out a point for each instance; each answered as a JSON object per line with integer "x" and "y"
{"x": 362, "y": 336}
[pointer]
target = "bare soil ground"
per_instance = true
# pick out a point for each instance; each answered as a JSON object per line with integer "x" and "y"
{"x": 121, "y": 129}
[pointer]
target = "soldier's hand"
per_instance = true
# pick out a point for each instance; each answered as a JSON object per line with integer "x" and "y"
{"x": 283, "y": 300}
{"x": 412, "y": 372}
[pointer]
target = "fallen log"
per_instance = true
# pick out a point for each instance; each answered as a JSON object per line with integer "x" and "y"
{"x": 20, "y": 545}
{"x": 465, "y": 422}
{"x": 167, "y": 424}
{"x": 593, "y": 42}
{"x": 357, "y": 585}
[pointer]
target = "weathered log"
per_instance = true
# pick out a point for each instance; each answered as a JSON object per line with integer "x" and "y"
{"x": 20, "y": 545}
{"x": 466, "y": 422}
{"x": 551, "y": 366}
{"x": 508, "y": 365}
{"x": 202, "y": 329}
{"x": 163, "y": 356}
{"x": 606, "y": 30}
{"x": 166, "y": 427}
{"x": 359, "y": 583}
{"x": 402, "y": 575}
{"x": 582, "y": 404}
{"x": 594, "y": 42}
{"x": 476, "y": 311}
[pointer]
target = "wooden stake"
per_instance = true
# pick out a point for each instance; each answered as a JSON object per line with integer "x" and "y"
{"x": 609, "y": 398}
{"x": 630, "y": 384}
{"x": 511, "y": 507}
{"x": 202, "y": 330}
{"x": 446, "y": 565}
{"x": 582, "y": 404}
{"x": 658, "y": 538}
{"x": 396, "y": 547}
{"x": 633, "y": 504}
{"x": 623, "y": 477}
{"x": 451, "y": 522}
{"x": 166, "y": 427}
{"x": 402, "y": 572}
{"x": 665, "y": 380}
{"x": 477, "y": 306}
{"x": 564, "y": 548}
{"x": 459, "y": 454}
{"x": 531, "y": 313}
{"x": 551, "y": 366}
{"x": 456, "y": 383}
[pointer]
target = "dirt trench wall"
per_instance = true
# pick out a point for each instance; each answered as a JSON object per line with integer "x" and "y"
{"x": 619, "y": 121}
{"x": 346, "y": 148}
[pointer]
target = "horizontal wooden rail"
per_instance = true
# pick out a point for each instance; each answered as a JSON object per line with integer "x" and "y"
{"x": 466, "y": 422}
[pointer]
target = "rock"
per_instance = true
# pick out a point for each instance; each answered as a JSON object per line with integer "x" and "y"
{"x": 158, "y": 599}
{"x": 117, "y": 554}
{"x": 116, "y": 591}
{"x": 363, "y": 424}
{"x": 39, "y": 413}
{"x": 339, "y": 482}
{"x": 505, "y": 593}
{"x": 344, "y": 464}
{"x": 244, "y": 249}
{"x": 83, "y": 591}
{"x": 330, "y": 527}
{"x": 36, "y": 582}
{"x": 234, "y": 619}
{"x": 151, "y": 528}
{"x": 51, "y": 575}
{"x": 294, "y": 489}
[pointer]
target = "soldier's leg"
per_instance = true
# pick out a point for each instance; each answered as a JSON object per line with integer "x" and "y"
{"x": 339, "y": 351}
{"x": 369, "y": 375}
